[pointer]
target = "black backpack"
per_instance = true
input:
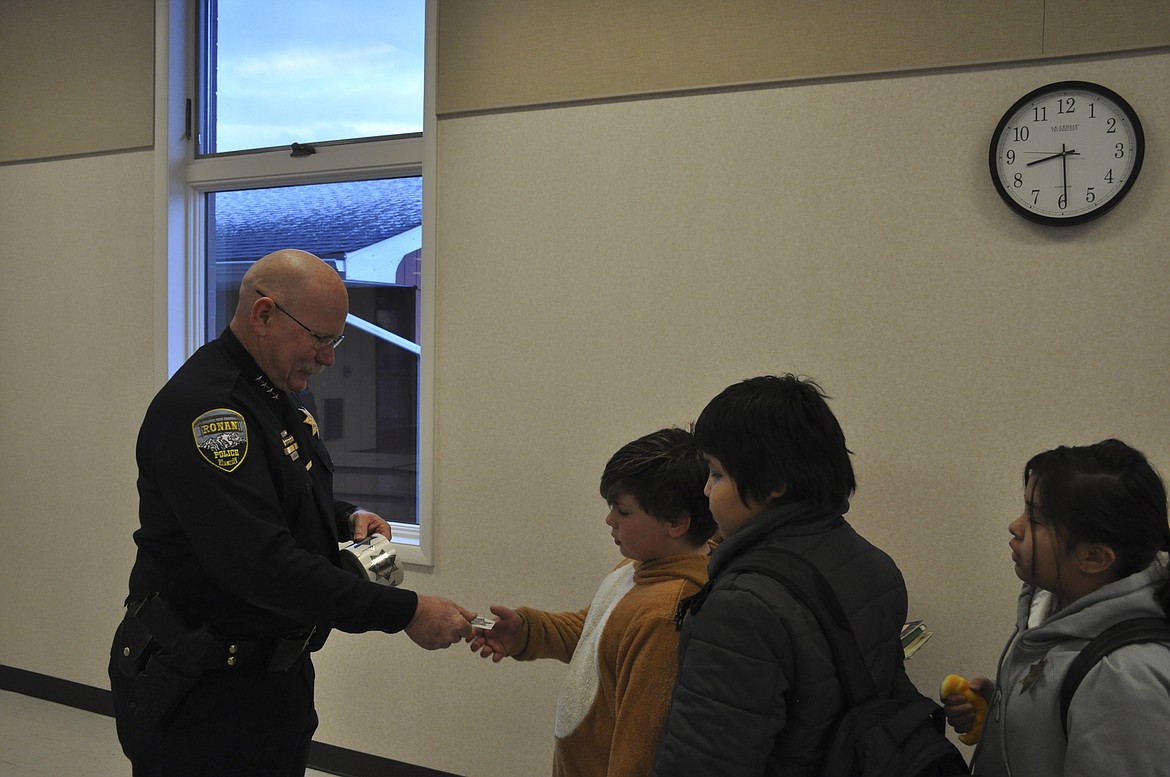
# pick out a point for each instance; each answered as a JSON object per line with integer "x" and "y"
{"x": 1123, "y": 633}
{"x": 901, "y": 736}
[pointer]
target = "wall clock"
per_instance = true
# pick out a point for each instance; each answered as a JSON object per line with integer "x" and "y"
{"x": 1066, "y": 153}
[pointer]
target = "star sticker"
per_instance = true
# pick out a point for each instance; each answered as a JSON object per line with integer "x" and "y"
{"x": 310, "y": 422}
{"x": 1034, "y": 673}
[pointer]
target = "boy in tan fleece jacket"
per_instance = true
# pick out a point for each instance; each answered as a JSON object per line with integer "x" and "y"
{"x": 621, "y": 650}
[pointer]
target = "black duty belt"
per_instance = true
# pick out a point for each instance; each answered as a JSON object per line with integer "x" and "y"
{"x": 273, "y": 655}
{"x": 213, "y": 652}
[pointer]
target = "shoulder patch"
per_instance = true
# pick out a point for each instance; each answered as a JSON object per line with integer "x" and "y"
{"x": 221, "y": 435}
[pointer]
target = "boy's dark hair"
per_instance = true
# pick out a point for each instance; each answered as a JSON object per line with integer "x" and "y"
{"x": 777, "y": 432}
{"x": 666, "y": 472}
{"x": 1106, "y": 492}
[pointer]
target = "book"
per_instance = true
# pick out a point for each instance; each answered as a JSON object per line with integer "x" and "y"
{"x": 914, "y": 636}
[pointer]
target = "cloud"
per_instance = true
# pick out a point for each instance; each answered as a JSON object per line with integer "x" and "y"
{"x": 308, "y": 94}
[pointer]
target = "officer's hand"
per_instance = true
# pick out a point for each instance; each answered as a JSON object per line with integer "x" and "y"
{"x": 362, "y": 523}
{"x": 439, "y": 623}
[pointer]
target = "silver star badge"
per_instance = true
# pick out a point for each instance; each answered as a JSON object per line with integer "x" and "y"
{"x": 1034, "y": 673}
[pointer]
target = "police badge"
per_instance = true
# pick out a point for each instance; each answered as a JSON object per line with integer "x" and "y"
{"x": 221, "y": 435}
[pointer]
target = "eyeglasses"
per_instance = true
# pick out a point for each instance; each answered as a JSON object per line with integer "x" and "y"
{"x": 320, "y": 342}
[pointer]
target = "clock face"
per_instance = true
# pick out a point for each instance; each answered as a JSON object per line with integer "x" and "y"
{"x": 1066, "y": 153}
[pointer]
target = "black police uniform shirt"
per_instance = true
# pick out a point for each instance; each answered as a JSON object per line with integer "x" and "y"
{"x": 239, "y": 528}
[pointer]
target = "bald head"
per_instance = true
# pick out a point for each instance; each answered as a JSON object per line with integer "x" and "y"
{"x": 289, "y": 275}
{"x": 280, "y": 286}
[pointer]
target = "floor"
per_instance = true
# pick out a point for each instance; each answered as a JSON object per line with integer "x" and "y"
{"x": 45, "y": 739}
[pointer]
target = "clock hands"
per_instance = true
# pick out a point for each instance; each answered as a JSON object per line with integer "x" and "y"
{"x": 1064, "y": 177}
{"x": 1063, "y": 153}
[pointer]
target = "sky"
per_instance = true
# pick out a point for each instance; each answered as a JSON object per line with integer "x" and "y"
{"x": 307, "y": 71}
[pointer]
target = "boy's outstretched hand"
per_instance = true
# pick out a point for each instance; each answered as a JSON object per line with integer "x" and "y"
{"x": 500, "y": 641}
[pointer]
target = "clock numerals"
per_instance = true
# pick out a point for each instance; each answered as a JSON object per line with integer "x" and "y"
{"x": 1064, "y": 106}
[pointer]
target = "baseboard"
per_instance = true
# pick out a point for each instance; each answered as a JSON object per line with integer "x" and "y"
{"x": 351, "y": 763}
{"x": 67, "y": 692}
{"x": 322, "y": 757}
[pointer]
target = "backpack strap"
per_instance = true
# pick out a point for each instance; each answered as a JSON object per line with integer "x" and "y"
{"x": 1124, "y": 633}
{"x": 809, "y": 587}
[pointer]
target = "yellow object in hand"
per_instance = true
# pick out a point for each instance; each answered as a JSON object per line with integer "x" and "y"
{"x": 953, "y": 685}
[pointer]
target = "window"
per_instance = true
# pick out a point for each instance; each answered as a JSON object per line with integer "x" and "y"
{"x": 370, "y": 232}
{"x": 345, "y": 84}
{"x": 283, "y": 71}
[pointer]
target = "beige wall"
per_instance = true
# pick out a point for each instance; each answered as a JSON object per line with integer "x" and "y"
{"x": 76, "y": 373}
{"x": 640, "y": 256}
{"x": 602, "y": 271}
{"x": 510, "y": 53}
{"x": 78, "y": 77}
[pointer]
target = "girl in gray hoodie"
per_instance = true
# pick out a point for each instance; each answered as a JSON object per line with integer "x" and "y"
{"x": 1090, "y": 548}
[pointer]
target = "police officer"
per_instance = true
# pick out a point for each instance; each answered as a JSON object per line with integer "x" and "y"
{"x": 237, "y": 577}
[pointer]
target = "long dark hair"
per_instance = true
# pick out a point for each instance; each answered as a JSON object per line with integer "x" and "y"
{"x": 1108, "y": 493}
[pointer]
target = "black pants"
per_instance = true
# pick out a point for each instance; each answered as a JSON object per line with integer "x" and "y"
{"x": 249, "y": 723}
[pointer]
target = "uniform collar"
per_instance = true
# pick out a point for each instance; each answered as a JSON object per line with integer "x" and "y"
{"x": 239, "y": 356}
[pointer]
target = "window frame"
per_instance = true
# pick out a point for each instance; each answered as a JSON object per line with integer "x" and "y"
{"x": 182, "y": 180}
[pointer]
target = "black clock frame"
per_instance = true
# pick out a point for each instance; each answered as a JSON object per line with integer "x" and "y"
{"x": 1058, "y": 86}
